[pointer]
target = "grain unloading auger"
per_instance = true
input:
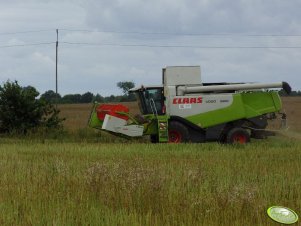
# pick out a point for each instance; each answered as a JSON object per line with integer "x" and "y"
{"x": 183, "y": 109}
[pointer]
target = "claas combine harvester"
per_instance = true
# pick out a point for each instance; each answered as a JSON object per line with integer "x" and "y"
{"x": 183, "y": 109}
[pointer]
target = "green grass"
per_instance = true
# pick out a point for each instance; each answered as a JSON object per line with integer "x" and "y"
{"x": 56, "y": 183}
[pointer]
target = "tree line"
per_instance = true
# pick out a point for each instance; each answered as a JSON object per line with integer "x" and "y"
{"x": 293, "y": 93}
{"x": 89, "y": 97}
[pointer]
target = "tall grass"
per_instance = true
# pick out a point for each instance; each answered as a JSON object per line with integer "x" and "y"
{"x": 54, "y": 183}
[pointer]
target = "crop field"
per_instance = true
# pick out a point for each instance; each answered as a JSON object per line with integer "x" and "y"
{"x": 112, "y": 181}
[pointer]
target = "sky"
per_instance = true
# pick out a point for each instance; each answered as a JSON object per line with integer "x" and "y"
{"x": 102, "y": 42}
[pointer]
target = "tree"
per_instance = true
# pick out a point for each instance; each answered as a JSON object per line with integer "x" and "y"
{"x": 86, "y": 97}
{"x": 125, "y": 86}
{"x": 51, "y": 96}
{"x": 111, "y": 98}
{"x": 71, "y": 99}
{"x": 20, "y": 110}
{"x": 98, "y": 98}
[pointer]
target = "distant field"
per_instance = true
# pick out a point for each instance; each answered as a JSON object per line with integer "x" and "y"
{"x": 77, "y": 114}
{"x": 292, "y": 106}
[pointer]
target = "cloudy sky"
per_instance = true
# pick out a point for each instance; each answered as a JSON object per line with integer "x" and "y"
{"x": 102, "y": 42}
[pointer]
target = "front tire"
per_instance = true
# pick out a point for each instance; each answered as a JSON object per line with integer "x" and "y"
{"x": 238, "y": 135}
{"x": 177, "y": 132}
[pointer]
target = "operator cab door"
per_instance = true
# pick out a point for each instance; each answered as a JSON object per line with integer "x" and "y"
{"x": 151, "y": 101}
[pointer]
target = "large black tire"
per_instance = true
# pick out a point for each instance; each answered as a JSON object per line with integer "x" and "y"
{"x": 177, "y": 132}
{"x": 238, "y": 135}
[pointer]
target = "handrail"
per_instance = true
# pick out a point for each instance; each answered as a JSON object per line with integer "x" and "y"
{"x": 154, "y": 105}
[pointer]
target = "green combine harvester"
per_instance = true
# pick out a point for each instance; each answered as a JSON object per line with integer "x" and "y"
{"x": 183, "y": 109}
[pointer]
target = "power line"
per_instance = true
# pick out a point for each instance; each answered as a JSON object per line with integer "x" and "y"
{"x": 26, "y": 32}
{"x": 27, "y": 44}
{"x": 181, "y": 46}
{"x": 182, "y": 34}
{"x": 152, "y": 46}
{"x": 147, "y": 45}
{"x": 154, "y": 33}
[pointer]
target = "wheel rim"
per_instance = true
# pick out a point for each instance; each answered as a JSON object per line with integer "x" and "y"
{"x": 174, "y": 136}
{"x": 239, "y": 138}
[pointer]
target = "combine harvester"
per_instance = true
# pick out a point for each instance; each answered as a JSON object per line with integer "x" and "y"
{"x": 185, "y": 110}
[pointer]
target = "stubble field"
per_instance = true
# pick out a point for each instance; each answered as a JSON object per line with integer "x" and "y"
{"x": 118, "y": 182}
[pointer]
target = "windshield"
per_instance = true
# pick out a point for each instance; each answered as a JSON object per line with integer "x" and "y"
{"x": 151, "y": 101}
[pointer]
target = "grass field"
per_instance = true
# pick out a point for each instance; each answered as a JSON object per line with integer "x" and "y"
{"x": 110, "y": 181}
{"x": 143, "y": 184}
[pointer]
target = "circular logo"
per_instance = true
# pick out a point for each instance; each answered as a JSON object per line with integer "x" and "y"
{"x": 282, "y": 214}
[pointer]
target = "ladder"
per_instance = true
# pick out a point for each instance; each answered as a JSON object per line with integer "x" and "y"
{"x": 162, "y": 128}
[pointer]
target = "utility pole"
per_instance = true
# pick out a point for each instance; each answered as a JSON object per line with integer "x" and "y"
{"x": 57, "y": 45}
{"x": 56, "y": 56}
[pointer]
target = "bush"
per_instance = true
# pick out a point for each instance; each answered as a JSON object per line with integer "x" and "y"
{"x": 20, "y": 110}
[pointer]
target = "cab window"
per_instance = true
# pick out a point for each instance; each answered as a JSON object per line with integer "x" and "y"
{"x": 151, "y": 101}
